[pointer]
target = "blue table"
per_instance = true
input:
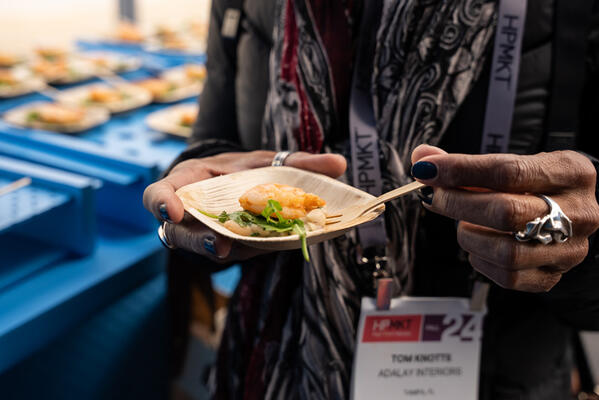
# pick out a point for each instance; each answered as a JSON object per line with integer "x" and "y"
{"x": 57, "y": 289}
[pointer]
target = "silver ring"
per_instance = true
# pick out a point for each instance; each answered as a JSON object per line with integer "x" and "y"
{"x": 163, "y": 238}
{"x": 280, "y": 158}
{"x": 553, "y": 227}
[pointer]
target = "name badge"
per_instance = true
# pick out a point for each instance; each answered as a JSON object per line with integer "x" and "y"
{"x": 418, "y": 348}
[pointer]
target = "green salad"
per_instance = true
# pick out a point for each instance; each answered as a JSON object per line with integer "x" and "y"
{"x": 270, "y": 220}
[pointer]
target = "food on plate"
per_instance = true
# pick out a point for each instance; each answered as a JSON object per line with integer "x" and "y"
{"x": 118, "y": 98}
{"x": 63, "y": 70}
{"x": 174, "y": 42}
{"x": 104, "y": 95}
{"x": 55, "y": 116}
{"x": 188, "y": 118}
{"x": 8, "y": 60}
{"x": 294, "y": 201}
{"x": 158, "y": 87}
{"x": 274, "y": 209}
{"x": 195, "y": 72}
{"x": 111, "y": 62}
{"x": 128, "y": 32}
{"x": 7, "y": 78}
{"x": 51, "y": 53}
{"x": 17, "y": 81}
{"x": 50, "y": 70}
{"x": 170, "y": 39}
{"x": 54, "y": 113}
{"x": 176, "y": 120}
{"x": 199, "y": 30}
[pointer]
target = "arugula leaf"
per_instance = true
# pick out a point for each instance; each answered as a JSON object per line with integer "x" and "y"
{"x": 33, "y": 116}
{"x": 266, "y": 221}
{"x": 207, "y": 214}
{"x": 300, "y": 229}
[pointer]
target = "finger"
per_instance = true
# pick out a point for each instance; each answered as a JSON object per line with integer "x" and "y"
{"x": 536, "y": 280}
{"x": 502, "y": 211}
{"x": 333, "y": 165}
{"x": 192, "y": 235}
{"x": 505, "y": 252}
{"x": 425, "y": 150}
{"x": 541, "y": 173}
{"x": 160, "y": 199}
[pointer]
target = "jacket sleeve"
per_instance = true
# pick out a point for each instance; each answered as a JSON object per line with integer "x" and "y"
{"x": 217, "y": 118}
{"x": 576, "y": 297}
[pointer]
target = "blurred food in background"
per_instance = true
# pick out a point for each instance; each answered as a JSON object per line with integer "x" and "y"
{"x": 176, "y": 120}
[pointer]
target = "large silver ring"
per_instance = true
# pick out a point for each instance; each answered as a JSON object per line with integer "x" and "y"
{"x": 553, "y": 227}
{"x": 280, "y": 158}
{"x": 163, "y": 238}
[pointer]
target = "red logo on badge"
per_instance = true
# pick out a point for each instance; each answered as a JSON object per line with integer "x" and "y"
{"x": 403, "y": 328}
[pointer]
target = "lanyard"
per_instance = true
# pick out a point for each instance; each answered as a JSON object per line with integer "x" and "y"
{"x": 498, "y": 117}
{"x": 366, "y": 170}
{"x": 504, "y": 76}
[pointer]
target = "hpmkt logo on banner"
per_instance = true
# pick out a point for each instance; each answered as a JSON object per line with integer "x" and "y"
{"x": 420, "y": 328}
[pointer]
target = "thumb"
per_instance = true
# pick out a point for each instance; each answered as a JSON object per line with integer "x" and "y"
{"x": 425, "y": 150}
{"x": 333, "y": 165}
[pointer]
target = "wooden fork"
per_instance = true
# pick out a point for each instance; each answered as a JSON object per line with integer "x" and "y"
{"x": 353, "y": 212}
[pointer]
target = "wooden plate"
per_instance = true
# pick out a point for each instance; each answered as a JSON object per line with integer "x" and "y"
{"x": 94, "y": 116}
{"x": 222, "y": 193}
{"x": 137, "y": 97}
{"x": 26, "y": 82}
{"x": 114, "y": 62}
{"x": 168, "y": 119}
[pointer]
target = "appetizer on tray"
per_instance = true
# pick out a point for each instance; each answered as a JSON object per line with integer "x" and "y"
{"x": 111, "y": 62}
{"x": 176, "y": 120}
{"x": 18, "y": 81}
{"x": 128, "y": 32}
{"x": 63, "y": 70}
{"x": 52, "y": 53}
{"x": 8, "y": 60}
{"x": 57, "y": 117}
{"x": 166, "y": 38}
{"x": 116, "y": 99}
{"x": 190, "y": 74}
{"x": 168, "y": 91}
{"x": 276, "y": 196}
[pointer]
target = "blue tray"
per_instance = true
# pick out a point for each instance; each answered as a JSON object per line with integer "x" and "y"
{"x": 123, "y": 153}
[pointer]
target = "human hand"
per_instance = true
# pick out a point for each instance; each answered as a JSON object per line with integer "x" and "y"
{"x": 184, "y": 231}
{"x": 493, "y": 195}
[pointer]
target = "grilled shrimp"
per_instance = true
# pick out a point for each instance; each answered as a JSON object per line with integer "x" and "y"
{"x": 295, "y": 202}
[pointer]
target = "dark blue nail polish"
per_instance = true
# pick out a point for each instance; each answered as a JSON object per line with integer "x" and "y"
{"x": 426, "y": 195}
{"x": 424, "y": 170}
{"x": 164, "y": 213}
{"x": 209, "y": 244}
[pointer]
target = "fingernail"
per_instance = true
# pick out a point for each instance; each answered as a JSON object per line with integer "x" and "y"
{"x": 424, "y": 170}
{"x": 164, "y": 213}
{"x": 209, "y": 244}
{"x": 426, "y": 195}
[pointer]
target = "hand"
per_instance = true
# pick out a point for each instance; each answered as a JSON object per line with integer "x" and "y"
{"x": 186, "y": 232}
{"x": 488, "y": 217}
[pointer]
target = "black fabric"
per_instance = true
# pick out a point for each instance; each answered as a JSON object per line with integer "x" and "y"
{"x": 572, "y": 21}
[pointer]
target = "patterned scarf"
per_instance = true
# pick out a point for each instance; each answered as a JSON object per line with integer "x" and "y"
{"x": 291, "y": 327}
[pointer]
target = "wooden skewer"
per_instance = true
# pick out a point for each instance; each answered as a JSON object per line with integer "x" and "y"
{"x": 18, "y": 184}
{"x": 359, "y": 210}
